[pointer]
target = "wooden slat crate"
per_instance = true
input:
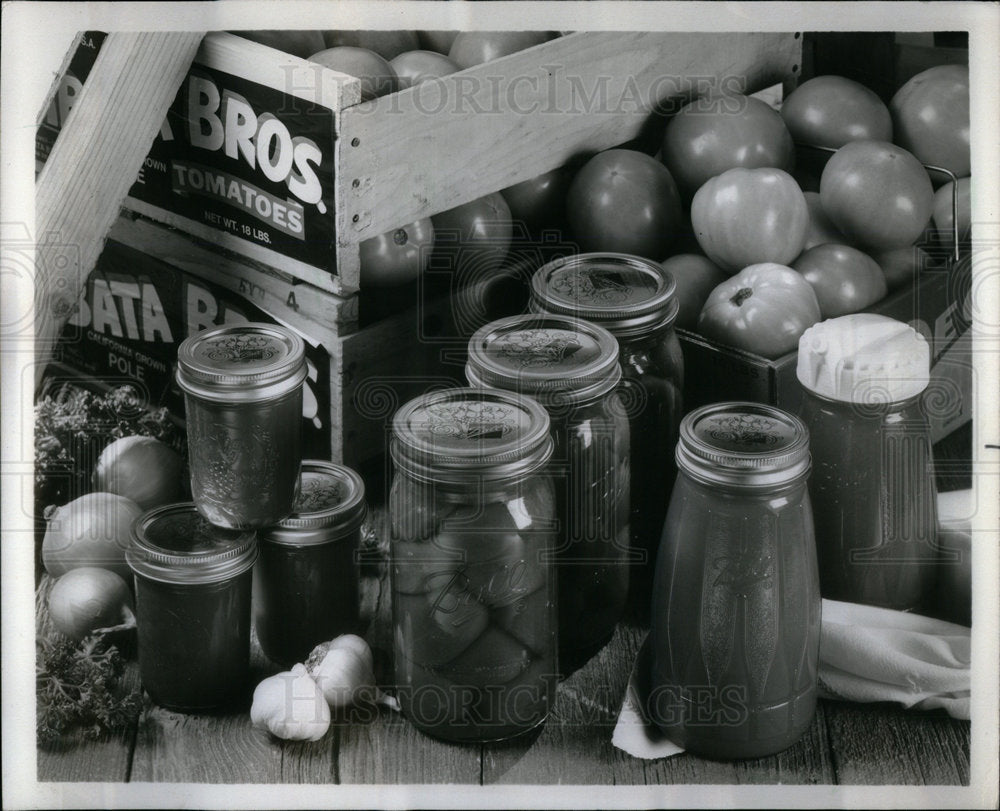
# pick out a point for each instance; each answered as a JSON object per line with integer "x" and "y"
{"x": 388, "y": 162}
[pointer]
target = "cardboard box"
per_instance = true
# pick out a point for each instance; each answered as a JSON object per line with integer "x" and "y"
{"x": 935, "y": 305}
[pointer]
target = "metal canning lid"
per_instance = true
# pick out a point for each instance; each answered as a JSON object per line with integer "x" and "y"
{"x": 240, "y": 363}
{"x": 545, "y": 356}
{"x": 175, "y": 544}
{"x": 743, "y": 444}
{"x": 628, "y": 295}
{"x": 466, "y": 434}
{"x": 330, "y": 504}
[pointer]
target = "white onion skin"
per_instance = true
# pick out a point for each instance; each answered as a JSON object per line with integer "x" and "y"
{"x": 93, "y": 530}
{"x": 141, "y": 468}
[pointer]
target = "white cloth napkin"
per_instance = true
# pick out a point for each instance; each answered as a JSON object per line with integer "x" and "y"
{"x": 866, "y": 654}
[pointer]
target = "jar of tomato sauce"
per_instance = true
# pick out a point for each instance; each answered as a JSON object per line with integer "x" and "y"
{"x": 633, "y": 299}
{"x": 472, "y": 531}
{"x": 192, "y": 599}
{"x": 571, "y": 367}
{"x": 306, "y": 576}
{"x": 243, "y": 410}
{"x": 873, "y": 487}
{"x": 736, "y": 602}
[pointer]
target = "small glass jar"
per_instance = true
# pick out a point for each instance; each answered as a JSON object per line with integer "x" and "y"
{"x": 192, "y": 595}
{"x": 633, "y": 299}
{"x": 243, "y": 412}
{"x": 736, "y": 602}
{"x": 472, "y": 516}
{"x": 306, "y": 577}
{"x": 872, "y": 488}
{"x": 571, "y": 367}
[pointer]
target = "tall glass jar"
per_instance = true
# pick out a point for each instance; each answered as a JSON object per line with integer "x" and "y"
{"x": 472, "y": 518}
{"x": 736, "y": 602}
{"x": 192, "y": 600}
{"x": 306, "y": 577}
{"x": 873, "y": 487}
{"x": 243, "y": 411}
{"x": 571, "y": 367}
{"x": 633, "y": 299}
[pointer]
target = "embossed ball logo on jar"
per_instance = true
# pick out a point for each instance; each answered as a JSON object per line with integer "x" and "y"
{"x": 241, "y": 349}
{"x": 538, "y": 347}
{"x": 473, "y": 421}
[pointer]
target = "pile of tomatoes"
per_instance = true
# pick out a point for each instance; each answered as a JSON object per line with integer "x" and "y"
{"x": 768, "y": 220}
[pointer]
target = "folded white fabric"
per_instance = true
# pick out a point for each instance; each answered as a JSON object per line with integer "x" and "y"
{"x": 874, "y": 654}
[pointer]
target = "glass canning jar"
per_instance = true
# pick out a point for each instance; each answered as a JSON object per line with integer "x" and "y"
{"x": 873, "y": 487}
{"x": 243, "y": 411}
{"x": 192, "y": 595}
{"x": 472, "y": 518}
{"x": 306, "y": 577}
{"x": 571, "y": 367}
{"x": 633, "y": 299}
{"x": 736, "y": 602}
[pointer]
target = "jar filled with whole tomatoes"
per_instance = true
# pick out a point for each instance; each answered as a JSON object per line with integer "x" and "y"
{"x": 472, "y": 536}
{"x": 734, "y": 639}
{"x": 571, "y": 366}
{"x": 873, "y": 487}
{"x": 633, "y": 299}
{"x": 306, "y": 577}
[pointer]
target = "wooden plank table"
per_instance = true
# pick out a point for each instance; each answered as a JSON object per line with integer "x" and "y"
{"x": 847, "y": 744}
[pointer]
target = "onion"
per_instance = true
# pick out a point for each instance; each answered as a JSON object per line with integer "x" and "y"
{"x": 93, "y": 530}
{"x": 89, "y": 599}
{"x": 140, "y": 468}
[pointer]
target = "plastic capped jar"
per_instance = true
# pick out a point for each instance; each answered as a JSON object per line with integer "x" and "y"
{"x": 633, "y": 299}
{"x": 873, "y": 487}
{"x": 571, "y": 367}
{"x": 306, "y": 577}
{"x": 192, "y": 595}
{"x": 243, "y": 411}
{"x": 472, "y": 515}
{"x": 736, "y": 601}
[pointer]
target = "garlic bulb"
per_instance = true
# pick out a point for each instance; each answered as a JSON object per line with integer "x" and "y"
{"x": 344, "y": 676}
{"x": 291, "y": 706}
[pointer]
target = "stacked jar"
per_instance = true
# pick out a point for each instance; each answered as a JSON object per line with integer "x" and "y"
{"x": 192, "y": 562}
{"x": 571, "y": 367}
{"x": 472, "y": 515}
{"x": 633, "y": 298}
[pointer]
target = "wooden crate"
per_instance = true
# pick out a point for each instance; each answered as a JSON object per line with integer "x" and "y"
{"x": 395, "y": 159}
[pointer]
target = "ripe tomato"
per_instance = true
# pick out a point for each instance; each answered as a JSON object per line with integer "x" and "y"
{"x": 624, "y": 201}
{"x": 831, "y": 110}
{"x": 930, "y": 117}
{"x": 539, "y": 201}
{"x": 820, "y": 230}
{"x": 475, "y": 47}
{"x": 440, "y": 41}
{"x": 845, "y": 279}
{"x": 398, "y": 256}
{"x": 877, "y": 194}
{"x": 695, "y": 276}
{"x": 944, "y": 218}
{"x": 748, "y": 216}
{"x": 709, "y": 136}
{"x": 901, "y": 265}
{"x": 376, "y": 75}
{"x": 414, "y": 67}
{"x": 386, "y": 44}
{"x": 297, "y": 43}
{"x": 472, "y": 240}
{"x": 763, "y": 309}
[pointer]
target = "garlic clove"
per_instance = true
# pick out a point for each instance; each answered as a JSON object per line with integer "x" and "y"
{"x": 291, "y": 706}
